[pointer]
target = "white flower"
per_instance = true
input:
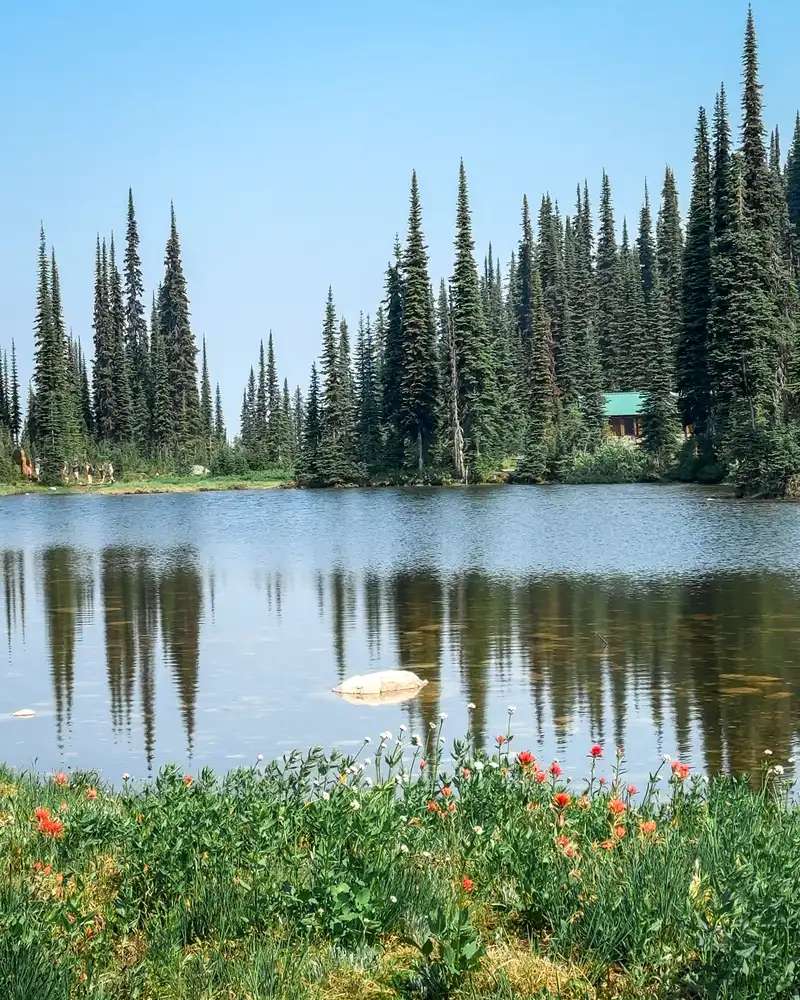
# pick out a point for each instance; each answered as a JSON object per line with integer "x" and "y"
{"x": 512, "y": 709}
{"x": 478, "y": 765}
{"x": 666, "y": 758}
{"x": 355, "y": 804}
{"x": 403, "y": 729}
{"x": 126, "y": 777}
{"x": 442, "y": 716}
{"x": 326, "y": 795}
{"x": 260, "y": 757}
{"x": 368, "y": 782}
{"x": 385, "y": 737}
{"x": 767, "y": 753}
{"x": 478, "y": 830}
{"x": 393, "y": 899}
{"x": 778, "y": 770}
{"x": 367, "y": 740}
{"x": 404, "y": 848}
{"x": 432, "y": 725}
{"x": 472, "y": 706}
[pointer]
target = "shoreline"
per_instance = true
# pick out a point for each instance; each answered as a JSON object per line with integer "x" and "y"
{"x": 170, "y": 484}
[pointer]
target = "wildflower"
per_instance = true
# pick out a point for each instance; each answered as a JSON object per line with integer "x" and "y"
{"x": 633, "y": 790}
{"x": 414, "y": 821}
{"x": 620, "y": 753}
{"x": 442, "y": 716}
{"x": 596, "y": 751}
{"x": 368, "y": 782}
{"x": 479, "y": 765}
{"x": 51, "y": 827}
{"x": 403, "y": 728}
{"x": 555, "y": 769}
{"x": 89, "y": 931}
{"x": 451, "y": 806}
{"x": 541, "y": 777}
{"x": 326, "y": 796}
{"x": 126, "y": 777}
{"x": 607, "y": 845}
{"x": 494, "y": 764}
{"x": 433, "y": 806}
{"x": 465, "y": 772}
{"x": 187, "y": 780}
{"x": 767, "y": 753}
{"x": 91, "y": 794}
{"x": 680, "y": 771}
{"x": 561, "y": 800}
{"x": 47, "y": 870}
{"x": 37, "y": 866}
{"x": 139, "y": 818}
{"x": 790, "y": 760}
{"x": 500, "y": 740}
{"x": 603, "y": 781}
{"x": 471, "y": 707}
{"x": 422, "y": 765}
{"x": 260, "y": 757}
{"x": 355, "y": 805}
{"x": 777, "y": 769}
{"x": 393, "y": 899}
{"x": 385, "y": 737}
{"x": 619, "y": 832}
{"x": 41, "y": 813}
{"x": 648, "y": 826}
{"x": 525, "y": 758}
{"x": 570, "y": 851}
{"x": 563, "y": 840}
{"x": 404, "y": 848}
{"x": 512, "y": 709}
{"x": 367, "y": 740}
{"x": 447, "y": 791}
{"x": 467, "y": 884}
{"x": 616, "y": 806}
{"x": 583, "y": 802}
{"x": 431, "y": 725}
{"x": 478, "y": 830}
{"x": 666, "y": 758}
{"x": 60, "y": 779}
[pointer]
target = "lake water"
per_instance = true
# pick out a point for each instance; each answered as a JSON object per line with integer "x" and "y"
{"x": 208, "y": 628}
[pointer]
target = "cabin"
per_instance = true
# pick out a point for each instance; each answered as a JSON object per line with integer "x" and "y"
{"x": 624, "y": 413}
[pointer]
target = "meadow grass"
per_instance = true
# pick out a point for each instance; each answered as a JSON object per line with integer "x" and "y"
{"x": 397, "y": 875}
{"x": 154, "y": 484}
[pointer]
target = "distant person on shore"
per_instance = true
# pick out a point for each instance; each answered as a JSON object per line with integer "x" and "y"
{"x": 110, "y": 473}
{"x": 37, "y": 465}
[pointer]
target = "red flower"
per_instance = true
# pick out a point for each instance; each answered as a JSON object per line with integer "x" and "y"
{"x": 680, "y": 771}
{"x": 91, "y": 794}
{"x": 648, "y": 826}
{"x": 541, "y": 777}
{"x": 501, "y": 740}
{"x": 632, "y": 790}
{"x": 525, "y": 758}
{"x": 51, "y": 827}
{"x": 41, "y": 813}
{"x": 447, "y": 791}
{"x": 37, "y": 866}
{"x": 561, "y": 800}
{"x": 603, "y": 781}
{"x": 465, "y": 772}
{"x": 616, "y": 806}
{"x": 89, "y": 931}
{"x": 555, "y": 769}
{"x": 596, "y": 751}
{"x": 60, "y": 779}
{"x": 467, "y": 884}
{"x": 562, "y": 841}
{"x": 433, "y": 806}
{"x": 187, "y": 780}
{"x": 47, "y": 869}
{"x": 570, "y": 850}
{"x": 607, "y": 845}
{"x": 422, "y": 765}
{"x": 619, "y": 831}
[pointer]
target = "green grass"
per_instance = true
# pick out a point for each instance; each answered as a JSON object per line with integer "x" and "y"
{"x": 155, "y": 484}
{"x": 329, "y": 876}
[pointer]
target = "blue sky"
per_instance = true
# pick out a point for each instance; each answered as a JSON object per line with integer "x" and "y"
{"x": 286, "y": 136}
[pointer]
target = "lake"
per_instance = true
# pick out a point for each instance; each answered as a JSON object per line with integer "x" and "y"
{"x": 208, "y": 628}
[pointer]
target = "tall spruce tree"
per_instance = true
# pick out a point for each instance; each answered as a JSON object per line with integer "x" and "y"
{"x": 334, "y": 461}
{"x": 392, "y": 362}
{"x": 477, "y": 389}
{"x": 669, "y": 254}
{"x": 275, "y": 437}
{"x": 122, "y": 430}
{"x": 206, "y": 404}
{"x": 693, "y": 375}
{"x": 48, "y": 378}
{"x": 220, "y": 432}
{"x": 539, "y": 438}
{"x": 136, "y": 345}
{"x": 163, "y": 423}
{"x": 607, "y": 272}
{"x": 308, "y": 472}
{"x": 105, "y": 401}
{"x": 419, "y": 378}
{"x": 298, "y": 421}
{"x": 368, "y": 403}
{"x": 793, "y": 193}
{"x": 632, "y": 321}
{"x": 259, "y": 428}
{"x": 659, "y": 413}
{"x": 15, "y": 409}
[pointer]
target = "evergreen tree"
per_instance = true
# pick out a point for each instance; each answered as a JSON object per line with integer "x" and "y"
{"x": 392, "y": 362}
{"x": 539, "y": 441}
{"x": 632, "y": 322}
{"x": 477, "y": 391}
{"x": 418, "y": 382}
{"x": 693, "y": 376}
{"x": 659, "y": 413}
{"x": 288, "y": 449}
{"x": 162, "y": 429}
{"x": 178, "y": 340}
{"x": 334, "y": 461}
{"x": 206, "y": 403}
{"x": 550, "y": 263}
{"x": 793, "y": 192}
{"x": 308, "y": 469}
{"x": 15, "y": 411}
{"x": 136, "y": 345}
{"x": 669, "y": 254}
{"x": 522, "y": 291}
{"x": 259, "y": 428}
{"x": 653, "y": 309}
{"x": 276, "y": 444}
{"x": 220, "y": 432}
{"x": 506, "y": 357}
{"x": 122, "y": 430}
{"x": 368, "y": 403}
{"x": 105, "y": 401}
{"x": 298, "y": 421}
{"x": 608, "y": 290}
{"x": 48, "y": 378}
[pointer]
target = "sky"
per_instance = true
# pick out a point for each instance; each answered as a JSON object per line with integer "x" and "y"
{"x": 286, "y": 134}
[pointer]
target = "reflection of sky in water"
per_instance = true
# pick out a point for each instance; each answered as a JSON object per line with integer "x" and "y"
{"x": 211, "y": 627}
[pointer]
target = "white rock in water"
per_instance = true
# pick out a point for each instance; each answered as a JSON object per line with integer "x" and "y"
{"x": 23, "y": 713}
{"x": 383, "y": 682}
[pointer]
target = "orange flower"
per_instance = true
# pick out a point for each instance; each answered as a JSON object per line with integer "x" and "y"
{"x": 187, "y": 780}
{"x": 51, "y": 827}
{"x": 555, "y": 769}
{"x": 447, "y": 791}
{"x": 433, "y": 806}
{"x": 91, "y": 794}
{"x": 422, "y": 765}
{"x": 467, "y": 884}
{"x": 607, "y": 845}
{"x": 465, "y": 772}
{"x": 414, "y": 821}
{"x": 561, "y": 800}
{"x": 562, "y": 841}
{"x": 41, "y": 813}
{"x": 37, "y": 866}
{"x": 89, "y": 931}
{"x": 541, "y": 777}
{"x": 501, "y": 740}
{"x": 47, "y": 869}
{"x": 570, "y": 851}
{"x": 60, "y": 779}
{"x": 583, "y": 802}
{"x": 619, "y": 832}
{"x": 680, "y": 772}
{"x": 616, "y": 806}
{"x": 648, "y": 826}
{"x": 526, "y": 758}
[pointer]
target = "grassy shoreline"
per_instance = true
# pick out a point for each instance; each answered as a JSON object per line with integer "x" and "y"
{"x": 331, "y": 876}
{"x": 151, "y": 484}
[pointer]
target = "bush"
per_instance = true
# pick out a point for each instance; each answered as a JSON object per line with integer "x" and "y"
{"x": 612, "y": 462}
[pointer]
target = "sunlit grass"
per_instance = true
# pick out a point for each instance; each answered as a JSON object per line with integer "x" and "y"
{"x": 375, "y": 876}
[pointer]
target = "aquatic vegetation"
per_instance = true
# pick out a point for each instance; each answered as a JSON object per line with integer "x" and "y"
{"x": 401, "y": 874}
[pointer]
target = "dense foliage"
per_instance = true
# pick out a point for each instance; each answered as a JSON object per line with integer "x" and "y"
{"x": 485, "y": 371}
{"x": 332, "y": 876}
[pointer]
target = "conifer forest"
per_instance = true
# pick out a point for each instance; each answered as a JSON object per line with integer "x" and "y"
{"x": 498, "y": 369}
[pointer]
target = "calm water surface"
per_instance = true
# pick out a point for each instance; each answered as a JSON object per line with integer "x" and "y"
{"x": 208, "y": 628}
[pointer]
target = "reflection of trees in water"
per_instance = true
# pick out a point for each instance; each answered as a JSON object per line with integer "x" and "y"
{"x": 68, "y": 595}
{"x": 717, "y": 654}
{"x": 13, "y": 582}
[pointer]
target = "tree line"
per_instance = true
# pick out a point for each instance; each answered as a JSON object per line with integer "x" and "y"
{"x": 506, "y": 366}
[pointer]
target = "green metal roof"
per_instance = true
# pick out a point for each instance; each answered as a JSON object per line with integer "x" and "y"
{"x": 624, "y": 404}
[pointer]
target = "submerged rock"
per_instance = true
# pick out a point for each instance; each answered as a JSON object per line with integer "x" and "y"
{"x": 23, "y": 713}
{"x": 381, "y": 687}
